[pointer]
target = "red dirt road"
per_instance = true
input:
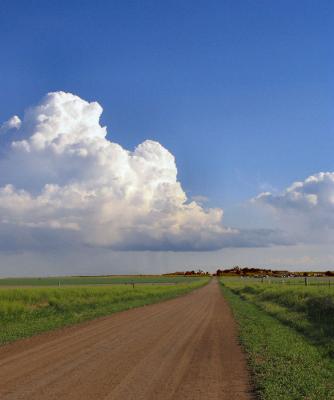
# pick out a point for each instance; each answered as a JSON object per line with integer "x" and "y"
{"x": 185, "y": 348}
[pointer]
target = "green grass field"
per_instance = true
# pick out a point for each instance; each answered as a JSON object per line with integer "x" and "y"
{"x": 94, "y": 280}
{"x": 27, "y": 311}
{"x": 288, "y": 333}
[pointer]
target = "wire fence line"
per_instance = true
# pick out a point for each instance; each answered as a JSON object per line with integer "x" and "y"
{"x": 305, "y": 281}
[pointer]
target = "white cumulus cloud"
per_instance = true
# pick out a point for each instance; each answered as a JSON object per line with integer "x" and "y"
{"x": 64, "y": 182}
{"x": 13, "y": 123}
{"x": 306, "y": 206}
{"x": 62, "y": 173}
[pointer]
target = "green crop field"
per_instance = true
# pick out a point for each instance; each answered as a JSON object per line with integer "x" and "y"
{"x": 27, "y": 311}
{"x": 288, "y": 334}
{"x": 95, "y": 280}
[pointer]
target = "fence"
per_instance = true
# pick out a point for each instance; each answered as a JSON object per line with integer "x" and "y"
{"x": 306, "y": 281}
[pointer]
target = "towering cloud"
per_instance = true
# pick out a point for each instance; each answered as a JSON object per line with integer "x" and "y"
{"x": 63, "y": 183}
{"x": 62, "y": 175}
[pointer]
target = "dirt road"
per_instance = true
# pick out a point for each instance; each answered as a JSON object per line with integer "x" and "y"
{"x": 185, "y": 348}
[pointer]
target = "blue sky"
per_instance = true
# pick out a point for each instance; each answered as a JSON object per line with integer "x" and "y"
{"x": 240, "y": 92}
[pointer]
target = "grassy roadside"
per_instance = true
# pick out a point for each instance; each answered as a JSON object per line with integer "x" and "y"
{"x": 286, "y": 364}
{"x": 28, "y": 311}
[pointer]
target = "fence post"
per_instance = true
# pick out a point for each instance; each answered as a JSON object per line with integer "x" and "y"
{"x": 305, "y": 281}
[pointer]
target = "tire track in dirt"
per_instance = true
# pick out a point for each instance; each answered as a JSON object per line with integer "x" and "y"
{"x": 184, "y": 348}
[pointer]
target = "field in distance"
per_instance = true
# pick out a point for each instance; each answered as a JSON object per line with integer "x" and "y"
{"x": 95, "y": 280}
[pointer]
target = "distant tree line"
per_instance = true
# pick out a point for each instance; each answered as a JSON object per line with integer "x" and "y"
{"x": 199, "y": 272}
{"x": 250, "y": 271}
